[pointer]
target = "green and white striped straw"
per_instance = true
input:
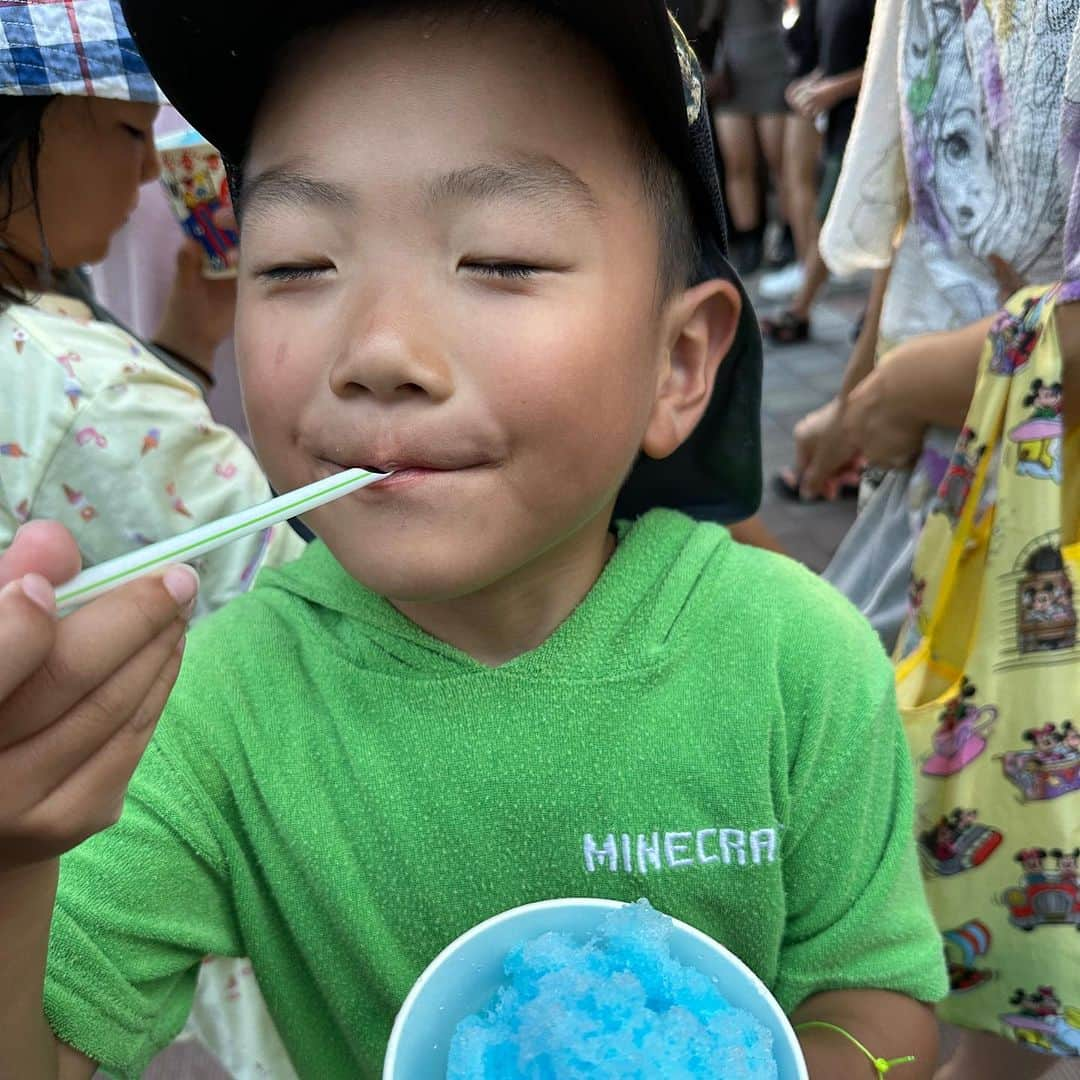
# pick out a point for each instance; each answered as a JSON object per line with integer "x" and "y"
{"x": 190, "y": 545}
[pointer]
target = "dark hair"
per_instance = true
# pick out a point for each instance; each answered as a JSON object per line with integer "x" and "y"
{"x": 669, "y": 201}
{"x": 662, "y": 183}
{"x": 20, "y": 129}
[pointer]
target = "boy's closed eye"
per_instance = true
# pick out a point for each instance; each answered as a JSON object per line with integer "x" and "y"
{"x": 294, "y": 272}
{"x": 492, "y": 268}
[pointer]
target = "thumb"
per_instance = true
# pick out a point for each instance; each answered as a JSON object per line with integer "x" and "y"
{"x": 41, "y": 547}
{"x": 814, "y": 476}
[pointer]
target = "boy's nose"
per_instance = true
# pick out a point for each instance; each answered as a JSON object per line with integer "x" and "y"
{"x": 390, "y": 366}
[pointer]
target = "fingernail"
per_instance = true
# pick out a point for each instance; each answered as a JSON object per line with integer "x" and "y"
{"x": 182, "y": 584}
{"x": 36, "y": 589}
{"x": 39, "y": 591}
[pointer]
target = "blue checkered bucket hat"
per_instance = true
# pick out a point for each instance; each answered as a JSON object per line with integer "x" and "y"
{"x": 78, "y": 48}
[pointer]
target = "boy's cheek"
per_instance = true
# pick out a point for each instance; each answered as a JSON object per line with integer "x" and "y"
{"x": 276, "y": 389}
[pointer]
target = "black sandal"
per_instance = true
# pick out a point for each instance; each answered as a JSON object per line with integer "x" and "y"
{"x": 786, "y": 484}
{"x": 786, "y": 328}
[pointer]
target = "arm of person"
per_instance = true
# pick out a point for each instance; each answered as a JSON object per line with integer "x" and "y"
{"x": 845, "y": 85}
{"x": 1068, "y": 328}
{"x": 861, "y": 950}
{"x": 124, "y": 956}
{"x": 891, "y": 1026}
{"x": 78, "y": 705}
{"x": 861, "y": 360}
{"x": 928, "y": 380}
{"x": 200, "y": 311}
{"x": 31, "y": 1050}
{"x": 932, "y": 377}
{"x": 823, "y": 450}
{"x": 815, "y": 96}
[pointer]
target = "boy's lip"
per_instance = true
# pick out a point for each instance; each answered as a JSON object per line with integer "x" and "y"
{"x": 399, "y": 469}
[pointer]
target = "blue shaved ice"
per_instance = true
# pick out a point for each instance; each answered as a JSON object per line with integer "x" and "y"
{"x": 618, "y": 1007}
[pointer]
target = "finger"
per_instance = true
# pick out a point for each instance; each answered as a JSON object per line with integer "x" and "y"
{"x": 27, "y": 631}
{"x": 50, "y": 756}
{"x": 814, "y": 476}
{"x": 225, "y": 218}
{"x": 189, "y": 259}
{"x": 41, "y": 547}
{"x": 851, "y": 476}
{"x": 95, "y": 643}
{"x": 92, "y": 798}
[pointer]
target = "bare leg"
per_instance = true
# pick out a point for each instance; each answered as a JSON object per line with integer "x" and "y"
{"x": 982, "y": 1056}
{"x": 770, "y": 133}
{"x": 817, "y": 273}
{"x": 738, "y": 144}
{"x": 802, "y": 148}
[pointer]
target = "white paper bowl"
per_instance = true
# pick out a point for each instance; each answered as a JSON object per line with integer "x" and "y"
{"x": 463, "y": 979}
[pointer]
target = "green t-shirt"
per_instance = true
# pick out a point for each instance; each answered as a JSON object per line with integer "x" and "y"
{"x": 338, "y": 795}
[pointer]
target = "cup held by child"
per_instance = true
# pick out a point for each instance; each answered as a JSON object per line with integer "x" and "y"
{"x": 464, "y": 979}
{"x": 193, "y": 175}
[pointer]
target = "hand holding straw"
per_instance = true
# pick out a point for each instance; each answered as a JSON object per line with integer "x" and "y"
{"x": 187, "y": 546}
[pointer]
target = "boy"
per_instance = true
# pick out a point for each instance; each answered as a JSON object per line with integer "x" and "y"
{"x": 484, "y": 255}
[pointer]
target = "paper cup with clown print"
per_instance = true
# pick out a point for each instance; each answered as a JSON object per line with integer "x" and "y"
{"x": 193, "y": 175}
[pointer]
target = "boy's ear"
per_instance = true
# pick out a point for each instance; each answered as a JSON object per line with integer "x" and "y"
{"x": 699, "y": 327}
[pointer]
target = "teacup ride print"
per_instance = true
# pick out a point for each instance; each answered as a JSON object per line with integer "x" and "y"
{"x": 961, "y": 734}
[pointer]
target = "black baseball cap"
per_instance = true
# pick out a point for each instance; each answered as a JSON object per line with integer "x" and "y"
{"x": 214, "y": 63}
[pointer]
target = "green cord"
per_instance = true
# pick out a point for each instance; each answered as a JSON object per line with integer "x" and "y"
{"x": 881, "y": 1065}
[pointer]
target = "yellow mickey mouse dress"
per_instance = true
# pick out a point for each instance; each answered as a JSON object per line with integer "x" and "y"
{"x": 988, "y": 676}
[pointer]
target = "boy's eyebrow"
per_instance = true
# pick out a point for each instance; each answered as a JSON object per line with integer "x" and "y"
{"x": 530, "y": 178}
{"x": 287, "y": 186}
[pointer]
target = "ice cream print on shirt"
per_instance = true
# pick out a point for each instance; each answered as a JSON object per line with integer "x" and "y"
{"x": 660, "y": 850}
{"x": 117, "y": 447}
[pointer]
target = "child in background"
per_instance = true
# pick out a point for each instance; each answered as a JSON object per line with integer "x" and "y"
{"x": 99, "y": 429}
{"x": 476, "y": 690}
{"x": 111, "y": 436}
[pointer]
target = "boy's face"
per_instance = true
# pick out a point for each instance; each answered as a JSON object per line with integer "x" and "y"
{"x": 450, "y": 269}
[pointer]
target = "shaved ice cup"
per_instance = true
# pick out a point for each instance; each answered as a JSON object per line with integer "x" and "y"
{"x": 194, "y": 179}
{"x": 464, "y": 977}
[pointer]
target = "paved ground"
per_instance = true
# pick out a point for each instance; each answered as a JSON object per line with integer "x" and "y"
{"x": 799, "y": 378}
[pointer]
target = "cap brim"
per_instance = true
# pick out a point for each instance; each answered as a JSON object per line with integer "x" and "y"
{"x": 215, "y": 70}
